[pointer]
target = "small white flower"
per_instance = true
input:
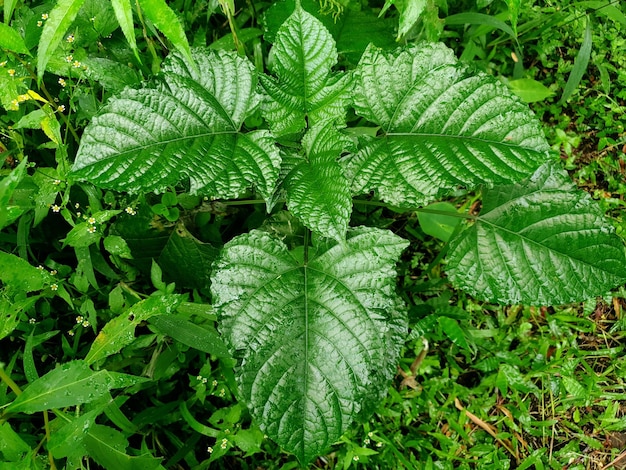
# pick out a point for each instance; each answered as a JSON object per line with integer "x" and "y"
{"x": 44, "y": 16}
{"x": 70, "y": 38}
{"x": 209, "y": 449}
{"x": 54, "y": 287}
{"x": 56, "y": 208}
{"x": 91, "y": 220}
{"x": 32, "y": 321}
{"x": 355, "y": 458}
{"x": 92, "y": 229}
{"x": 224, "y": 443}
{"x": 79, "y": 319}
{"x": 86, "y": 324}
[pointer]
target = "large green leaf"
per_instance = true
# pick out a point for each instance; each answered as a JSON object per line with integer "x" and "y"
{"x": 317, "y": 190}
{"x": 442, "y": 126}
{"x": 540, "y": 242}
{"x": 304, "y": 90}
{"x": 184, "y": 125}
{"x": 317, "y": 337}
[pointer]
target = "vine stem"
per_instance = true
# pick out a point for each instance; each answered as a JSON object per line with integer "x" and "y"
{"x": 9, "y": 381}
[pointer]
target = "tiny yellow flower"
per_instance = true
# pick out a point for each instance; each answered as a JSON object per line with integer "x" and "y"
{"x": 39, "y": 23}
{"x": 69, "y": 58}
{"x": 79, "y": 319}
{"x": 44, "y": 16}
{"x": 56, "y": 208}
{"x": 91, "y": 229}
{"x": 70, "y": 38}
{"x": 15, "y": 105}
{"x": 91, "y": 220}
{"x": 54, "y": 287}
{"x": 86, "y": 324}
{"x": 11, "y": 72}
{"x": 214, "y": 383}
{"x": 61, "y": 108}
{"x": 76, "y": 64}
{"x": 62, "y": 82}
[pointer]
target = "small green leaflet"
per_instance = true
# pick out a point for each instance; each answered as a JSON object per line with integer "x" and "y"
{"x": 539, "y": 242}
{"x": 317, "y": 190}
{"x": 304, "y": 92}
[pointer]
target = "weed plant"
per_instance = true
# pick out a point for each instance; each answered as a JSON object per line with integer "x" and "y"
{"x": 121, "y": 339}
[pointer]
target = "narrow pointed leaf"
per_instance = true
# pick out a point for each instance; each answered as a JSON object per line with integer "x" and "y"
{"x": 72, "y": 383}
{"x": 12, "y": 40}
{"x": 55, "y": 27}
{"x": 166, "y": 21}
{"x": 303, "y": 88}
{"x": 315, "y": 339}
{"x": 317, "y": 190}
{"x": 184, "y": 125}
{"x": 120, "y": 331}
{"x": 124, "y": 14}
{"x": 541, "y": 242}
{"x": 442, "y": 127}
{"x": 107, "y": 446}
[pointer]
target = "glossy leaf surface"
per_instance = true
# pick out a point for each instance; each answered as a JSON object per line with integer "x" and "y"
{"x": 442, "y": 126}
{"x": 317, "y": 190}
{"x": 303, "y": 91}
{"x": 183, "y": 126}
{"x": 72, "y": 383}
{"x": 540, "y": 242}
{"x": 120, "y": 331}
{"x": 317, "y": 338}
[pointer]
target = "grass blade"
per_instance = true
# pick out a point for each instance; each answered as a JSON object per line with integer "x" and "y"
{"x": 580, "y": 65}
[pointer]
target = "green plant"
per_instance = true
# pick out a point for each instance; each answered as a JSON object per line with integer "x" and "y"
{"x": 306, "y": 302}
{"x": 314, "y": 322}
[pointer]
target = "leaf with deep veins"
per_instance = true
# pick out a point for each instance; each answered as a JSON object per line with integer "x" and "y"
{"x": 303, "y": 91}
{"x": 184, "y": 125}
{"x": 317, "y": 339}
{"x": 442, "y": 127}
{"x": 317, "y": 190}
{"x": 541, "y": 242}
